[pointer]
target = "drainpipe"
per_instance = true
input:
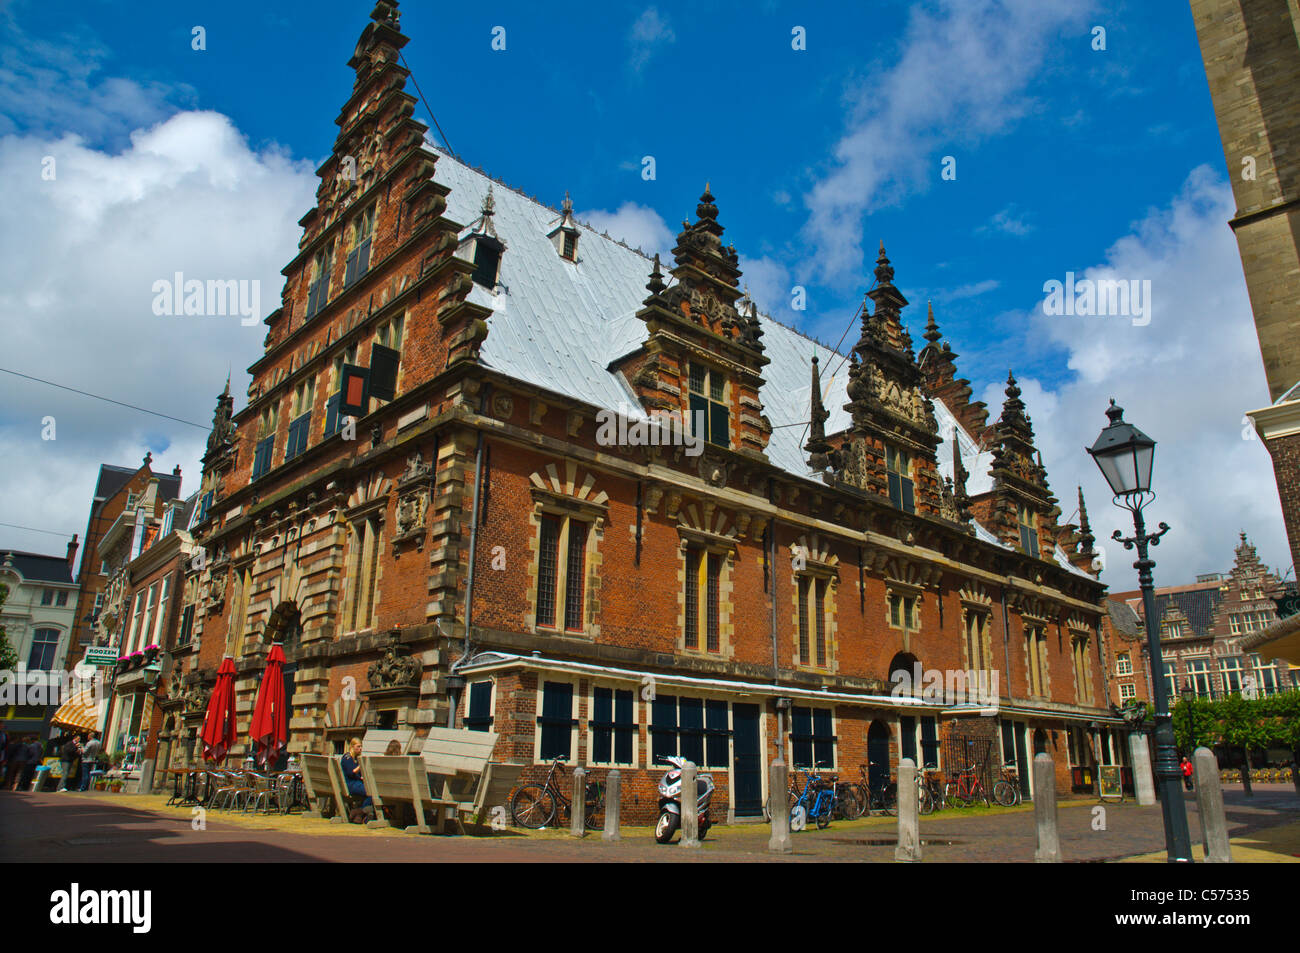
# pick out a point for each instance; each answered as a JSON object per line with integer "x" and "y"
{"x": 1006, "y": 642}
{"x": 776, "y": 664}
{"x": 457, "y": 682}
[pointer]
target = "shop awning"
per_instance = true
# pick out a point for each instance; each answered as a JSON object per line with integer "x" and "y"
{"x": 80, "y": 712}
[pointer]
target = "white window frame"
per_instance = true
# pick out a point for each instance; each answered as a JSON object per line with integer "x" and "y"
{"x": 638, "y": 719}
{"x": 575, "y": 731}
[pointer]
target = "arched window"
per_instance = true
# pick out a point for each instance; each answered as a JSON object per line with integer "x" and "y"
{"x": 45, "y": 647}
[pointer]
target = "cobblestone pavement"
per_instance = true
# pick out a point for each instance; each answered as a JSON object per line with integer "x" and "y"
{"x": 98, "y": 827}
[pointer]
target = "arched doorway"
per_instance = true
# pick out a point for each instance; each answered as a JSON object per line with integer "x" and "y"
{"x": 878, "y": 765}
{"x": 1040, "y": 742}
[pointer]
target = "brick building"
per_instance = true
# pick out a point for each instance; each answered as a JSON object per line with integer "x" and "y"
{"x": 1204, "y": 632}
{"x": 119, "y": 492}
{"x": 1251, "y": 52}
{"x": 499, "y": 470}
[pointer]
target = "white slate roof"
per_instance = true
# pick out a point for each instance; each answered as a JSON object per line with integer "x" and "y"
{"x": 558, "y": 325}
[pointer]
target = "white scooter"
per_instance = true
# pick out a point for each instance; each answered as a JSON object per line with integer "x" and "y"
{"x": 670, "y": 807}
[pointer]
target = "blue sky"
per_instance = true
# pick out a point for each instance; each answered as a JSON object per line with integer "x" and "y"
{"x": 1068, "y": 158}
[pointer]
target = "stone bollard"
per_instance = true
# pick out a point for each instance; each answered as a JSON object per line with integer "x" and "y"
{"x": 1209, "y": 802}
{"x": 1144, "y": 785}
{"x": 778, "y": 783}
{"x": 690, "y": 807}
{"x": 1049, "y": 841}
{"x": 908, "y": 849}
{"x": 578, "y": 809}
{"x": 613, "y": 801}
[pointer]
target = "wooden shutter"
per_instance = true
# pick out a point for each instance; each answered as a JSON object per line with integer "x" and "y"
{"x": 718, "y": 417}
{"x": 602, "y": 725}
{"x": 355, "y": 392}
{"x": 383, "y": 371}
{"x": 663, "y": 725}
{"x": 331, "y": 415}
{"x": 692, "y": 729}
{"x": 716, "y": 733}
{"x": 624, "y": 727}
{"x": 479, "y": 717}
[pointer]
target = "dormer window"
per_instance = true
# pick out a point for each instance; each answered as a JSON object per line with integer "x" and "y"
{"x": 709, "y": 414}
{"x": 1028, "y": 532}
{"x": 565, "y": 234}
{"x": 902, "y": 493}
{"x": 487, "y": 262}
{"x": 570, "y": 248}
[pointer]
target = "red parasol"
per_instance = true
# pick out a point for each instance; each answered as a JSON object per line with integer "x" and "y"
{"x": 268, "y": 728}
{"x": 219, "y": 723}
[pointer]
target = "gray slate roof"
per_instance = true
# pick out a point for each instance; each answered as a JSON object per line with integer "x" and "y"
{"x": 37, "y": 567}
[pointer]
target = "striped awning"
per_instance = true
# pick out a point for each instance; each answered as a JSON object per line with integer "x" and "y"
{"x": 80, "y": 712}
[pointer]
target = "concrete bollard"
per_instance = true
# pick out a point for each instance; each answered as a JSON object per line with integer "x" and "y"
{"x": 1049, "y": 840}
{"x": 1144, "y": 785}
{"x": 613, "y": 801}
{"x": 578, "y": 809}
{"x": 778, "y": 784}
{"x": 690, "y": 807}
{"x": 908, "y": 849}
{"x": 1209, "y": 802}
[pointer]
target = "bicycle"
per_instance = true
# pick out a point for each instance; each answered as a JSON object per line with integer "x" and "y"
{"x": 535, "y": 806}
{"x": 965, "y": 789}
{"x": 883, "y": 797}
{"x": 816, "y": 803}
{"x": 929, "y": 794}
{"x": 1006, "y": 790}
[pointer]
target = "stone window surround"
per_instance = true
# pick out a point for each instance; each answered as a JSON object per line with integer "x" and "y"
{"x": 566, "y": 508}
{"x": 575, "y": 732}
{"x": 725, "y": 547}
{"x": 828, "y": 573}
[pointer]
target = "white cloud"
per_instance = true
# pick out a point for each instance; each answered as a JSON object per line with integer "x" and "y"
{"x": 1185, "y": 379}
{"x": 649, "y": 31}
{"x": 76, "y": 280}
{"x": 1007, "y": 222}
{"x": 768, "y": 281}
{"x": 637, "y": 225}
{"x": 962, "y": 75}
{"x": 972, "y": 290}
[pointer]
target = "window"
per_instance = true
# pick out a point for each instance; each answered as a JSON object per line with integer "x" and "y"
{"x": 266, "y": 426}
{"x": 146, "y": 630}
{"x": 570, "y": 248}
{"x": 363, "y": 568}
{"x": 902, "y": 494}
{"x": 556, "y": 723}
{"x": 812, "y": 740}
{"x": 487, "y": 261}
{"x": 1171, "y": 677}
{"x": 1028, "y": 532}
{"x": 319, "y": 289}
{"x": 187, "y": 626}
{"x": 613, "y": 726}
{"x": 907, "y": 738}
{"x": 333, "y": 421}
{"x": 709, "y": 413}
{"x": 1123, "y": 663}
{"x": 562, "y": 557}
{"x": 1266, "y": 680}
{"x": 976, "y": 629}
{"x": 695, "y": 728}
{"x": 663, "y": 726}
{"x": 1235, "y": 622}
{"x": 1036, "y": 650}
{"x": 812, "y": 620}
{"x": 359, "y": 235}
{"x": 45, "y": 646}
{"x": 304, "y": 397}
{"x": 386, "y": 358}
{"x": 1082, "y": 668}
{"x": 478, "y": 709}
{"x": 47, "y": 597}
{"x": 1230, "y": 669}
{"x": 130, "y": 502}
{"x": 904, "y": 611}
{"x": 163, "y": 596}
{"x": 135, "y": 623}
{"x": 61, "y": 599}
{"x": 701, "y": 600}
{"x": 1126, "y": 691}
{"x": 929, "y": 741}
{"x": 1198, "y": 673}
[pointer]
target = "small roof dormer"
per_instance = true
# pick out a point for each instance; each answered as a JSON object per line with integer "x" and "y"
{"x": 565, "y": 235}
{"x": 483, "y": 246}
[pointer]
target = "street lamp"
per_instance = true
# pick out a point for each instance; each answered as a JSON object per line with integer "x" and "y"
{"x": 1124, "y": 455}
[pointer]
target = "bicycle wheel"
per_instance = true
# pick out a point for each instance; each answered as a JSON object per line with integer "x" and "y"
{"x": 978, "y": 793}
{"x": 595, "y": 807}
{"x": 1004, "y": 793}
{"x": 825, "y": 807}
{"x": 926, "y": 799}
{"x": 889, "y": 800}
{"x": 850, "y": 805}
{"x": 953, "y": 794}
{"x": 533, "y": 807}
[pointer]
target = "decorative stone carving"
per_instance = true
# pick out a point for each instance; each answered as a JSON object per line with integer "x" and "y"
{"x": 217, "y": 589}
{"x": 394, "y": 670}
{"x": 196, "y": 700}
{"x": 503, "y": 406}
{"x": 713, "y": 470}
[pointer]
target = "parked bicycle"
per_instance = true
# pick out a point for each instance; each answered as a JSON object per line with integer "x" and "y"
{"x": 929, "y": 792}
{"x": 965, "y": 789}
{"x": 882, "y": 797}
{"x": 1006, "y": 790}
{"x": 816, "y": 802}
{"x": 535, "y": 806}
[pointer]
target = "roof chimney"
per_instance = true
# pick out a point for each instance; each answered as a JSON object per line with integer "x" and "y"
{"x": 72, "y": 551}
{"x": 177, "y": 471}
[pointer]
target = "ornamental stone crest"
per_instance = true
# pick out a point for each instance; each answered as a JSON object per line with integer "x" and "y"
{"x": 394, "y": 670}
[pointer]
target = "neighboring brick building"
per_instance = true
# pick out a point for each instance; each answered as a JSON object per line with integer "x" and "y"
{"x": 118, "y": 490}
{"x": 1251, "y": 51}
{"x": 1203, "y": 628}
{"x": 442, "y": 501}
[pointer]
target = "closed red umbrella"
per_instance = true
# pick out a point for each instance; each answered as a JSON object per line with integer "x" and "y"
{"x": 268, "y": 729}
{"x": 219, "y": 722}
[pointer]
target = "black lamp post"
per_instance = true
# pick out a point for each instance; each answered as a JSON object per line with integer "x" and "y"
{"x": 1124, "y": 455}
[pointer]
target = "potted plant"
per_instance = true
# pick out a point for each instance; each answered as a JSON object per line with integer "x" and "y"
{"x": 151, "y": 653}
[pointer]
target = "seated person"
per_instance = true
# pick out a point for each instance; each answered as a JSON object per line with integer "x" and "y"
{"x": 394, "y": 748}
{"x": 352, "y": 772}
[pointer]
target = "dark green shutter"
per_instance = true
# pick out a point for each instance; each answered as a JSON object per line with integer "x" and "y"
{"x": 801, "y": 748}
{"x": 716, "y": 734}
{"x": 383, "y": 372}
{"x": 356, "y": 383}
{"x": 556, "y": 721}
{"x": 479, "y": 716}
{"x": 663, "y": 725}
{"x": 907, "y": 733}
{"x": 692, "y": 729}
{"x": 602, "y": 724}
{"x": 718, "y": 425}
{"x": 624, "y": 727}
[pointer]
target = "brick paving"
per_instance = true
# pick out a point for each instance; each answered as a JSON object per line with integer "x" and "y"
{"x": 97, "y": 828}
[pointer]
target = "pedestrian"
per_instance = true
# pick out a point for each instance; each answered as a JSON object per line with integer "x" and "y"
{"x": 90, "y": 759}
{"x": 4, "y": 748}
{"x": 1187, "y": 773}
{"x": 35, "y": 752}
{"x": 71, "y": 757}
{"x": 16, "y": 757}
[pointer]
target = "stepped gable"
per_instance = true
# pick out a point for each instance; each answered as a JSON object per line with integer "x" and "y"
{"x": 939, "y": 369}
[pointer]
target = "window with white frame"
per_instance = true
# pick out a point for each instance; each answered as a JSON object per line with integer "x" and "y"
{"x": 1198, "y": 674}
{"x": 45, "y": 649}
{"x": 478, "y": 706}
{"x": 812, "y": 738}
{"x": 1127, "y": 691}
{"x": 612, "y": 726}
{"x": 814, "y": 625}
{"x": 1036, "y": 656}
{"x": 702, "y": 600}
{"x": 557, "y": 722}
{"x": 1230, "y": 669}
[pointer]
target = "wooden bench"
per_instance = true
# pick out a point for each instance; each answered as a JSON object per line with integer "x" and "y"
{"x": 397, "y": 779}
{"x": 318, "y": 781}
{"x": 375, "y": 741}
{"x": 459, "y": 766}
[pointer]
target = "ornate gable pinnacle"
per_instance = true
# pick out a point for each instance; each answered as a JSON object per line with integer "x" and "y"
{"x": 656, "y": 284}
{"x": 817, "y": 445}
{"x": 884, "y": 270}
{"x": 1086, "y": 539}
{"x": 932, "y": 334}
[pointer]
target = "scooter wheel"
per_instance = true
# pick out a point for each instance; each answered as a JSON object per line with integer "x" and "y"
{"x": 704, "y": 827}
{"x": 666, "y": 827}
